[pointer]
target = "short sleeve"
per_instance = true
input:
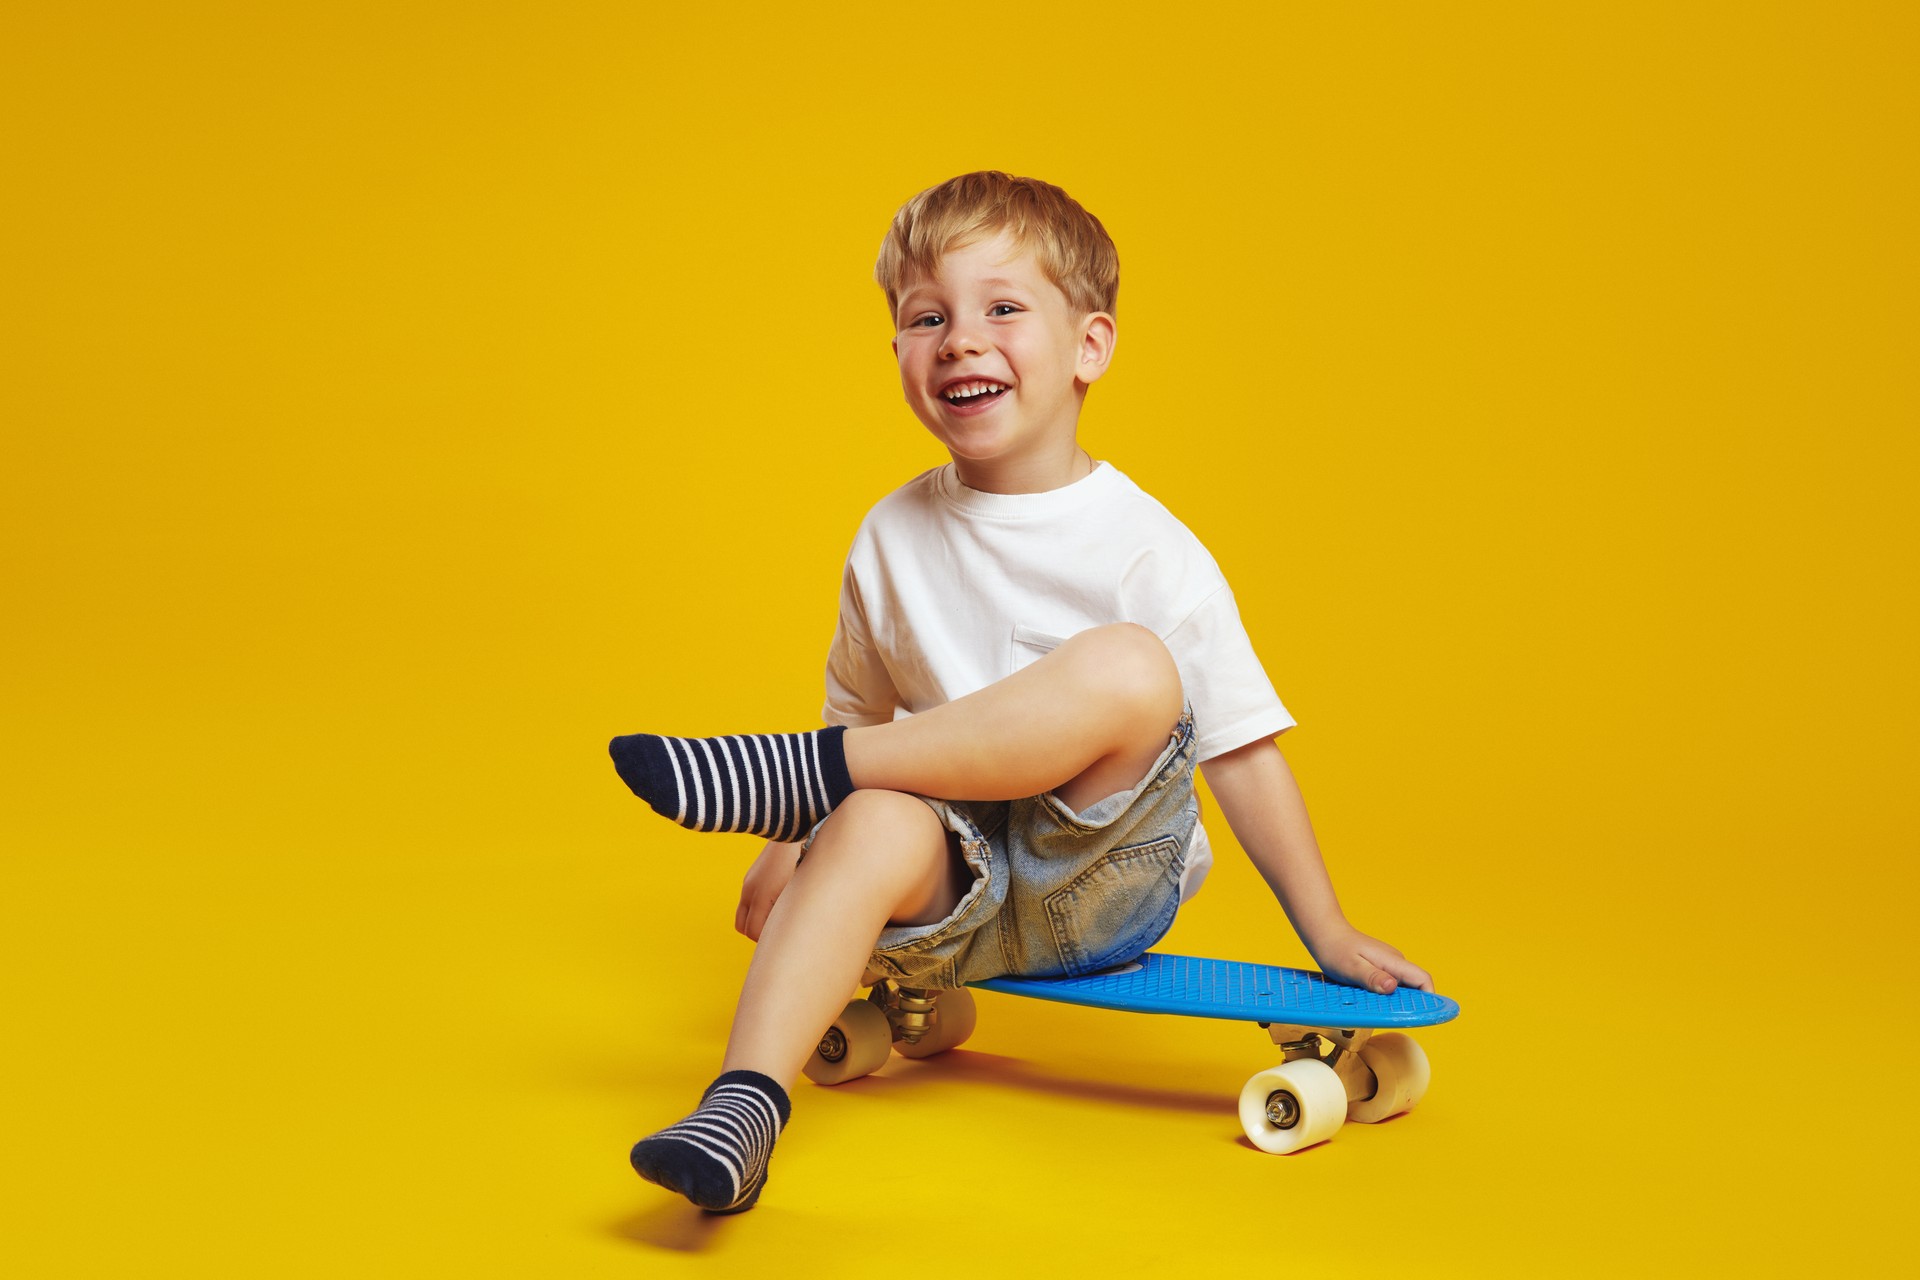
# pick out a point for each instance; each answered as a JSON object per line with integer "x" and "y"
{"x": 859, "y": 689}
{"x": 1233, "y": 701}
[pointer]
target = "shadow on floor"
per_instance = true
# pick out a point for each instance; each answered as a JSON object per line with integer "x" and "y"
{"x": 676, "y": 1226}
{"x": 998, "y": 1069}
{"x": 1244, "y": 1142}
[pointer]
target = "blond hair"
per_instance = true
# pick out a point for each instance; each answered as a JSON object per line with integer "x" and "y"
{"x": 1072, "y": 247}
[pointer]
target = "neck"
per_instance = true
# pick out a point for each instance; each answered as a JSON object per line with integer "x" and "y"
{"x": 1027, "y": 475}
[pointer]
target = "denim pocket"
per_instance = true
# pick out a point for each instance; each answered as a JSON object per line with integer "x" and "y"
{"x": 1116, "y": 908}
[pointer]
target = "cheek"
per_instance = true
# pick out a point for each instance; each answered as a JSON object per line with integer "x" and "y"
{"x": 915, "y": 376}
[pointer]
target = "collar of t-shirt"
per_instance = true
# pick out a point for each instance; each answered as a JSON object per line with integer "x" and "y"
{"x": 1020, "y": 506}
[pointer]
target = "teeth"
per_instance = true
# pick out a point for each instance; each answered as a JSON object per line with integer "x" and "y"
{"x": 968, "y": 390}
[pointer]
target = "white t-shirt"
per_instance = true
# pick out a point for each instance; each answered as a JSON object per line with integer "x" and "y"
{"x": 948, "y": 589}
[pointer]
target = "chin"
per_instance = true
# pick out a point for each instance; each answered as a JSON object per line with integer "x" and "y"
{"x": 977, "y": 453}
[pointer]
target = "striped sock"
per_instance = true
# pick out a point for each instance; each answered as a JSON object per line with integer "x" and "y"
{"x": 717, "y": 1157}
{"x": 767, "y": 784}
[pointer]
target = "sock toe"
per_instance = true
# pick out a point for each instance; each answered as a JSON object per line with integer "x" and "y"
{"x": 633, "y": 761}
{"x": 680, "y": 1168}
{"x": 717, "y": 1157}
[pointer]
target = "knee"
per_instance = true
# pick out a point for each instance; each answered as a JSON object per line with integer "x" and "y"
{"x": 877, "y": 841}
{"x": 874, "y": 822}
{"x": 1136, "y": 666}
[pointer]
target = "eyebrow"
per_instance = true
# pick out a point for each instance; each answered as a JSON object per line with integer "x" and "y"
{"x": 997, "y": 282}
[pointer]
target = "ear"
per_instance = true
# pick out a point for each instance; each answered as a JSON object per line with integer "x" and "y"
{"x": 1097, "y": 337}
{"x": 895, "y": 344}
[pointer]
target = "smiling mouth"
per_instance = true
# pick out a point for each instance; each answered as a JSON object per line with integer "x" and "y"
{"x": 974, "y": 392}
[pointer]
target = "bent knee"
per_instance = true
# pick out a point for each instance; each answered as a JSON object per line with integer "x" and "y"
{"x": 881, "y": 836}
{"x": 1136, "y": 665}
{"x": 892, "y": 816}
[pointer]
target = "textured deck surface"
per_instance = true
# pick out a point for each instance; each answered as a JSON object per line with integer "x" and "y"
{"x": 1203, "y": 988}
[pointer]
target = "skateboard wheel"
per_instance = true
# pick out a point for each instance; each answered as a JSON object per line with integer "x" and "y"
{"x": 855, "y": 1045}
{"x": 953, "y": 1020}
{"x": 1400, "y": 1065}
{"x": 1293, "y": 1105}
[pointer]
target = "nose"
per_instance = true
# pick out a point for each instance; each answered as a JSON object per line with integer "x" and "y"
{"x": 963, "y": 339}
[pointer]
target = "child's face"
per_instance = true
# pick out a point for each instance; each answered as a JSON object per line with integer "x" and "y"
{"x": 991, "y": 318}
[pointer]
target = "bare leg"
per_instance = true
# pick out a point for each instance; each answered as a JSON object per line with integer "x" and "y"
{"x": 1083, "y": 721}
{"x": 881, "y": 858}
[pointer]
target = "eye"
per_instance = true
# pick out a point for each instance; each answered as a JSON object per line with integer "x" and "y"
{"x": 1002, "y": 309}
{"x": 927, "y": 322}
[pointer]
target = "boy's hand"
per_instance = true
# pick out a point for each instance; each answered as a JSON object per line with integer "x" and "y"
{"x": 766, "y": 880}
{"x": 1347, "y": 955}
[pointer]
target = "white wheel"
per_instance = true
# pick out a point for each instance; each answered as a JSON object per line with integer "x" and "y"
{"x": 1293, "y": 1105}
{"x": 1400, "y": 1065}
{"x": 953, "y": 1019}
{"x": 855, "y": 1045}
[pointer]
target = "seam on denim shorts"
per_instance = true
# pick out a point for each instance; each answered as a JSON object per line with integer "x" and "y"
{"x": 1179, "y": 759}
{"x": 1112, "y": 858}
{"x": 979, "y": 857}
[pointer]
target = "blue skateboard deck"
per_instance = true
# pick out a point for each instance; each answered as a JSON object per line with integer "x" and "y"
{"x": 1198, "y": 987}
{"x": 1344, "y": 1054}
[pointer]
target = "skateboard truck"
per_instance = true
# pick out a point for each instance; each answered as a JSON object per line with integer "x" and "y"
{"x": 912, "y": 1011}
{"x": 1342, "y": 1053}
{"x": 915, "y": 1022}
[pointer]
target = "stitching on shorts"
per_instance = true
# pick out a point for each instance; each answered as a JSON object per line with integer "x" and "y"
{"x": 1058, "y": 902}
{"x": 1179, "y": 760}
{"x": 969, "y": 901}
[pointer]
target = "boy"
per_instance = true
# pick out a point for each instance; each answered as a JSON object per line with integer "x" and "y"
{"x": 1031, "y": 658}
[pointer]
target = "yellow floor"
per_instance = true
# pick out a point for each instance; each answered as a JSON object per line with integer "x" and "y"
{"x": 272, "y": 1029}
{"x": 396, "y": 407}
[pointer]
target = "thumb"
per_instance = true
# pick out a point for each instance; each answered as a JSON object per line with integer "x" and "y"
{"x": 1378, "y": 980}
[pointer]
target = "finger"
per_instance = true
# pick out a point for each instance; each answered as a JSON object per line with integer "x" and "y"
{"x": 1376, "y": 979}
{"x": 740, "y": 918}
{"x": 1410, "y": 973}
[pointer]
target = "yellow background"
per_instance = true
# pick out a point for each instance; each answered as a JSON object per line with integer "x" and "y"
{"x": 400, "y": 400}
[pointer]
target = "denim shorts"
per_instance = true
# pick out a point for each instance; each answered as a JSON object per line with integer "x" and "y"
{"x": 1054, "y": 891}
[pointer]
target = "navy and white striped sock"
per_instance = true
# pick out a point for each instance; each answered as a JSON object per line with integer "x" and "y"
{"x": 767, "y": 784}
{"x": 717, "y": 1157}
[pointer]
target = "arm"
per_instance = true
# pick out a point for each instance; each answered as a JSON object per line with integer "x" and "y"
{"x": 1262, "y": 804}
{"x": 765, "y": 881}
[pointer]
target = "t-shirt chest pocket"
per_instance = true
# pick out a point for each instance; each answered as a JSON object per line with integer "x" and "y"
{"x": 1029, "y": 645}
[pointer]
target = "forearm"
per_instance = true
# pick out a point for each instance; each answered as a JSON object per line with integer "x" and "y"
{"x": 1263, "y": 806}
{"x": 1262, "y": 803}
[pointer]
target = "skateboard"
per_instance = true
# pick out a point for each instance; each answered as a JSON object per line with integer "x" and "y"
{"x": 1344, "y": 1055}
